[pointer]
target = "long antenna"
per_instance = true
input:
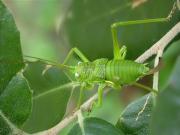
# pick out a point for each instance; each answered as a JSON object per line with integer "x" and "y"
{"x": 62, "y": 66}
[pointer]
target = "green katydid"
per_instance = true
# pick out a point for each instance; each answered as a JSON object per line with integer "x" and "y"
{"x": 112, "y": 73}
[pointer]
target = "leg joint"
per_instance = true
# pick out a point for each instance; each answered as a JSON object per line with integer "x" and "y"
{"x": 113, "y": 26}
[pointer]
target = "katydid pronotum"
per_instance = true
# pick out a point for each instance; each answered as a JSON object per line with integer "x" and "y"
{"x": 112, "y": 73}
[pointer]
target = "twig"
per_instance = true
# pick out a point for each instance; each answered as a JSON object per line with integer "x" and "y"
{"x": 84, "y": 107}
{"x": 81, "y": 122}
{"x": 155, "y": 49}
{"x": 156, "y": 75}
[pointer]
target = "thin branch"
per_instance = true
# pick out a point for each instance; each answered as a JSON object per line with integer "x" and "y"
{"x": 84, "y": 107}
{"x": 160, "y": 45}
{"x": 156, "y": 75}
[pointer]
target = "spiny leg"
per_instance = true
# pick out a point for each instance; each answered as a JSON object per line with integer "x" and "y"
{"x": 84, "y": 59}
{"x": 100, "y": 96}
{"x": 80, "y": 96}
{"x": 78, "y": 53}
{"x": 70, "y": 72}
{"x": 120, "y": 53}
{"x": 145, "y": 87}
{"x": 125, "y": 23}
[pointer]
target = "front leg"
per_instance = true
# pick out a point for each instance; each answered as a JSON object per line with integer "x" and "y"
{"x": 70, "y": 73}
{"x": 100, "y": 97}
{"x": 78, "y": 53}
{"x": 83, "y": 85}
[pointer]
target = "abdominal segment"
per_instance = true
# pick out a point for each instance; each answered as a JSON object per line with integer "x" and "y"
{"x": 124, "y": 71}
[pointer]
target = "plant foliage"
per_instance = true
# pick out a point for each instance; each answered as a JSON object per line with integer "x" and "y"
{"x": 34, "y": 96}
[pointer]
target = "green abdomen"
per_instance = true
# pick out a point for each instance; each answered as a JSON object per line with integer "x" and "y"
{"x": 124, "y": 71}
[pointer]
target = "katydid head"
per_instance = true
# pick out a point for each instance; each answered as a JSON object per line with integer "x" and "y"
{"x": 83, "y": 71}
{"x": 91, "y": 71}
{"x": 78, "y": 71}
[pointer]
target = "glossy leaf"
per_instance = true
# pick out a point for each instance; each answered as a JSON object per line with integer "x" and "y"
{"x": 51, "y": 91}
{"x": 15, "y": 104}
{"x": 95, "y": 126}
{"x": 15, "y": 94}
{"x": 10, "y": 49}
{"x": 165, "y": 118}
{"x": 135, "y": 119}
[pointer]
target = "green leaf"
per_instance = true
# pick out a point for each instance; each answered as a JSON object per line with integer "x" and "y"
{"x": 15, "y": 104}
{"x": 10, "y": 49}
{"x": 15, "y": 94}
{"x": 51, "y": 90}
{"x": 168, "y": 61}
{"x": 95, "y": 126}
{"x": 165, "y": 118}
{"x": 4, "y": 127}
{"x": 87, "y": 25}
{"x": 135, "y": 118}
